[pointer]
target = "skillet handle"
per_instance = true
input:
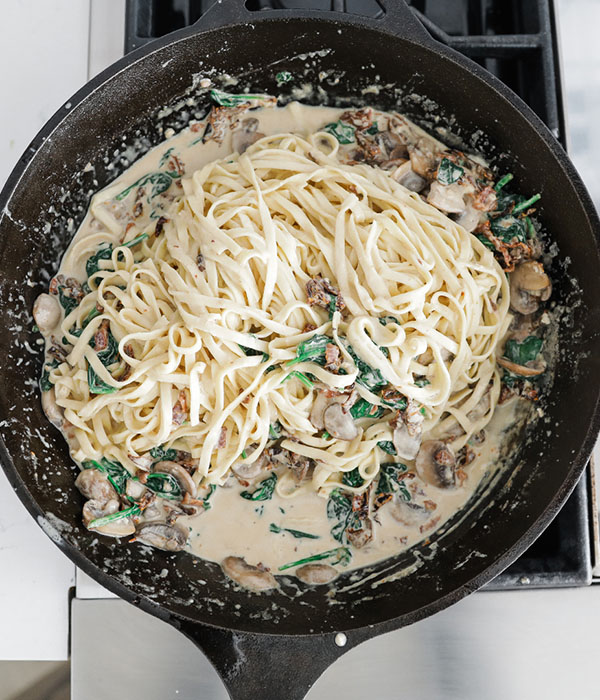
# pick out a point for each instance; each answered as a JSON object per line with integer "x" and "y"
{"x": 269, "y": 667}
{"x": 397, "y": 18}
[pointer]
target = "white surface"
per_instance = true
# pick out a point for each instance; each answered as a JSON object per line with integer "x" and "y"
{"x": 491, "y": 646}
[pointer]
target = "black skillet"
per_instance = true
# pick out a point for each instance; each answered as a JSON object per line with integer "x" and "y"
{"x": 276, "y": 645}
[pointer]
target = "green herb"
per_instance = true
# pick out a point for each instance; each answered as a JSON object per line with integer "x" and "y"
{"x": 160, "y": 183}
{"x": 302, "y": 377}
{"x": 283, "y": 77}
{"x": 115, "y": 471}
{"x": 530, "y": 227}
{"x": 275, "y": 430}
{"x": 507, "y": 228}
{"x": 105, "y": 253}
{"x": 253, "y": 352}
{"x": 263, "y": 492}
{"x": 205, "y": 501}
{"x": 326, "y": 435}
{"x": 372, "y": 130}
{"x": 421, "y": 382}
{"x": 107, "y": 357}
{"x": 244, "y": 455}
{"x": 227, "y": 99}
{"x": 353, "y": 478}
{"x": 344, "y": 133}
{"x": 510, "y": 379}
{"x": 522, "y": 353}
{"x": 390, "y": 479}
{"x": 503, "y": 181}
{"x": 311, "y": 350}
{"x": 339, "y": 508}
{"x": 164, "y": 485}
{"x": 165, "y": 157}
{"x": 332, "y": 305}
{"x": 341, "y": 555}
{"x": 68, "y": 303}
{"x": 97, "y": 385}
{"x": 45, "y": 383}
{"x": 371, "y": 378}
{"x": 387, "y": 446}
{"x": 384, "y": 320}
{"x": 526, "y": 204}
{"x": 298, "y": 534}
{"x": 448, "y": 172}
{"x": 162, "y": 454}
{"x": 363, "y": 409}
{"x": 99, "y": 522}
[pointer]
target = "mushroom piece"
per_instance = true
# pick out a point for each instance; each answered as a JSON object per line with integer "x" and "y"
{"x": 250, "y": 470}
{"x": 469, "y": 219}
{"x": 94, "y": 484}
{"x": 531, "y": 370}
{"x": 316, "y": 574}
{"x": 134, "y": 489}
{"x": 170, "y": 538}
{"x": 407, "y": 445}
{"x": 422, "y": 158}
{"x": 447, "y": 198}
{"x": 53, "y": 411}
{"x": 393, "y": 145}
{"x": 46, "y": 313}
{"x": 436, "y": 464}
{"x": 338, "y": 423}
{"x": 529, "y": 285}
{"x": 246, "y": 135}
{"x": 408, "y": 513}
{"x": 180, "y": 473}
{"x": 143, "y": 462}
{"x": 407, "y": 177}
{"x": 120, "y": 527}
{"x": 248, "y": 576}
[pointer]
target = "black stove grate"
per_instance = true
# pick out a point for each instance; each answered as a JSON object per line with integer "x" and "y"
{"x": 516, "y": 40}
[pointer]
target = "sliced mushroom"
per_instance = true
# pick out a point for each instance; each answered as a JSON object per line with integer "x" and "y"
{"x": 92, "y": 509}
{"x": 408, "y": 513}
{"x": 316, "y": 574}
{"x": 531, "y": 370}
{"x": 46, "y": 313}
{"x": 407, "y": 445}
{"x": 250, "y": 470}
{"x": 359, "y": 538}
{"x": 180, "y": 473}
{"x": 407, "y": 177}
{"x": 422, "y": 158}
{"x": 447, "y": 198}
{"x": 134, "y": 489}
{"x": 246, "y": 135}
{"x": 53, "y": 411}
{"x": 170, "y": 538}
{"x": 120, "y": 527}
{"x": 94, "y": 484}
{"x": 338, "y": 423}
{"x": 529, "y": 285}
{"x": 248, "y": 576}
{"x": 143, "y": 462}
{"x": 469, "y": 218}
{"x": 393, "y": 145}
{"x": 436, "y": 464}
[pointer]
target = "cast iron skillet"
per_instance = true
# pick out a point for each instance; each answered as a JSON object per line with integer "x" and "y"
{"x": 276, "y": 645}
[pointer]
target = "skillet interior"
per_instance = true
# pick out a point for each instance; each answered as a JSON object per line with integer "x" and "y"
{"x": 47, "y": 196}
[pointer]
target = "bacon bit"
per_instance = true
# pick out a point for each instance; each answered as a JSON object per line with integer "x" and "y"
{"x": 138, "y": 210}
{"x": 360, "y": 118}
{"x": 319, "y": 291}
{"x": 465, "y": 456}
{"x": 180, "y": 409}
{"x": 333, "y": 358}
{"x": 391, "y": 394}
{"x": 176, "y": 165}
{"x": 529, "y": 393}
{"x": 141, "y": 475}
{"x": 432, "y": 523}
{"x": 99, "y": 308}
{"x": 160, "y": 225}
{"x": 462, "y": 476}
{"x": 506, "y": 393}
{"x": 147, "y": 498}
{"x": 309, "y": 327}
{"x": 508, "y": 254}
{"x": 430, "y": 505}
{"x": 187, "y": 500}
{"x": 222, "y": 438}
{"x": 380, "y": 500}
{"x": 101, "y": 336}
{"x": 53, "y": 288}
{"x": 198, "y": 126}
{"x": 486, "y": 200}
{"x": 128, "y": 350}
{"x": 371, "y": 151}
{"x": 220, "y": 118}
{"x": 200, "y": 262}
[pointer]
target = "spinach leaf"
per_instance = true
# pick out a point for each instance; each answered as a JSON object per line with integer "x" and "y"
{"x": 164, "y": 485}
{"x": 363, "y": 409}
{"x": 387, "y": 446}
{"x": 311, "y": 350}
{"x": 68, "y": 303}
{"x": 283, "y": 77}
{"x": 506, "y": 228}
{"x": 97, "y": 385}
{"x": 298, "y": 534}
{"x": 108, "y": 356}
{"x": 522, "y": 353}
{"x": 228, "y": 99}
{"x": 105, "y": 253}
{"x": 105, "y": 520}
{"x": 160, "y": 183}
{"x": 486, "y": 242}
{"x": 448, "y": 172}
{"x": 162, "y": 454}
{"x": 115, "y": 471}
{"x": 340, "y": 555}
{"x": 344, "y": 133}
{"x": 371, "y": 378}
{"x": 339, "y": 508}
{"x": 503, "y": 181}
{"x": 390, "y": 480}
{"x": 264, "y": 491}
{"x": 421, "y": 382}
{"x": 275, "y": 430}
{"x": 372, "y": 130}
{"x": 302, "y": 377}
{"x": 398, "y": 403}
{"x": 206, "y": 500}
{"x": 45, "y": 383}
{"x": 384, "y": 320}
{"x": 165, "y": 157}
{"x": 353, "y": 478}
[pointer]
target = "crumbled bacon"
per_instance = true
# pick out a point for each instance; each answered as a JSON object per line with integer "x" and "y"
{"x": 430, "y": 505}
{"x": 309, "y": 327}
{"x": 101, "y": 336}
{"x": 176, "y": 165}
{"x": 200, "y": 262}
{"x": 160, "y": 225}
{"x": 528, "y": 392}
{"x": 222, "y": 438}
{"x": 371, "y": 152}
{"x": 359, "y": 118}
{"x": 333, "y": 358}
{"x": 391, "y": 394}
{"x": 128, "y": 350}
{"x": 53, "y": 288}
{"x": 486, "y": 199}
{"x": 220, "y": 118}
{"x": 320, "y": 292}
{"x": 506, "y": 393}
{"x": 432, "y": 523}
{"x": 380, "y": 500}
{"x": 465, "y": 456}
{"x": 180, "y": 409}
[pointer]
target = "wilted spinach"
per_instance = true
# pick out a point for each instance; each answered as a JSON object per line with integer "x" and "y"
{"x": 264, "y": 491}
{"x": 344, "y": 133}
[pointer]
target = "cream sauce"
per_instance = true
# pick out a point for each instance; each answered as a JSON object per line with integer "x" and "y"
{"x": 234, "y": 525}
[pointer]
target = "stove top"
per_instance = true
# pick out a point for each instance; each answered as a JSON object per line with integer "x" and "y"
{"x": 517, "y": 41}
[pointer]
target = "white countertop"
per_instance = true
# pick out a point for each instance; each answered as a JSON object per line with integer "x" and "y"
{"x": 56, "y": 54}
